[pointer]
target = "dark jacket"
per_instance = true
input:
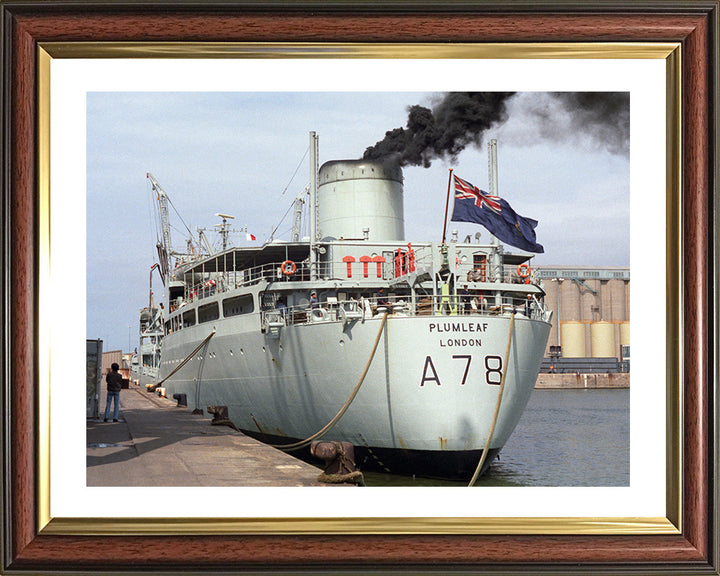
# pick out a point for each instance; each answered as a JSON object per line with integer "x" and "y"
{"x": 114, "y": 381}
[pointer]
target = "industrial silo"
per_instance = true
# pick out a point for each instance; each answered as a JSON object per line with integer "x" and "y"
{"x": 573, "y": 339}
{"x": 602, "y": 335}
{"x": 360, "y": 199}
{"x": 624, "y": 340}
{"x": 552, "y": 301}
{"x": 588, "y": 306}
{"x": 627, "y": 300}
{"x": 570, "y": 297}
{"x": 617, "y": 300}
{"x": 625, "y": 334}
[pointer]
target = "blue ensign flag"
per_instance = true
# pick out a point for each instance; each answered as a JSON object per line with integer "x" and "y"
{"x": 474, "y": 205}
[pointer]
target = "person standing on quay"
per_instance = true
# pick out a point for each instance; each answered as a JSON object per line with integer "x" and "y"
{"x": 114, "y": 385}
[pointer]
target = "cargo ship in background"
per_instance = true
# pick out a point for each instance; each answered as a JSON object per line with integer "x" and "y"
{"x": 412, "y": 338}
{"x": 146, "y": 358}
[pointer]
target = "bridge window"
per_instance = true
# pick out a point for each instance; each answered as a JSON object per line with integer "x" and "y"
{"x": 208, "y": 312}
{"x": 189, "y": 318}
{"x": 238, "y": 305}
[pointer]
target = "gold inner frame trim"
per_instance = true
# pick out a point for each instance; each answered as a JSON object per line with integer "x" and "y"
{"x": 670, "y": 52}
{"x": 610, "y": 50}
{"x": 355, "y": 526}
{"x": 43, "y": 275}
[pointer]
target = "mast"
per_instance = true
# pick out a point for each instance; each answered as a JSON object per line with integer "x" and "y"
{"x": 497, "y": 274}
{"x": 203, "y": 238}
{"x": 224, "y": 232}
{"x": 313, "y": 206}
{"x": 492, "y": 167}
{"x": 297, "y": 219}
{"x": 447, "y": 203}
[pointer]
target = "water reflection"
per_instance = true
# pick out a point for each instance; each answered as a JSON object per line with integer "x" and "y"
{"x": 564, "y": 438}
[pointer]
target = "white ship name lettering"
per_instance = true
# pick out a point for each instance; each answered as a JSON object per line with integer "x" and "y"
{"x": 457, "y": 327}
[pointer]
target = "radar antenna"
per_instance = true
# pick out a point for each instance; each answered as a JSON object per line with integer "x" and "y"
{"x": 224, "y": 232}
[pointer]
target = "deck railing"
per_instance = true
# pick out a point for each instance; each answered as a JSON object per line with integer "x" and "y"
{"x": 365, "y": 308}
{"x": 364, "y": 272}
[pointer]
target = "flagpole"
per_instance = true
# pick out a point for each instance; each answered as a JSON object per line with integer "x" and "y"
{"x": 447, "y": 203}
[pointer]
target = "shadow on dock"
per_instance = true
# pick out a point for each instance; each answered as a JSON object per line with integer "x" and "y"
{"x": 156, "y": 443}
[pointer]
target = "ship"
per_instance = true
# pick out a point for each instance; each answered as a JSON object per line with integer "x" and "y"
{"x": 423, "y": 355}
{"x": 145, "y": 361}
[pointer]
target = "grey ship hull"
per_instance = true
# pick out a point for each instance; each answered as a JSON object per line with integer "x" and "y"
{"x": 425, "y": 407}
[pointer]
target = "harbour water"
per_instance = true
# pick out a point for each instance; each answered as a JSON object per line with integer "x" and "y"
{"x": 564, "y": 438}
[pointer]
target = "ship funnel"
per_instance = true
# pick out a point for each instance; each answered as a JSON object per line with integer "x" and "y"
{"x": 361, "y": 199}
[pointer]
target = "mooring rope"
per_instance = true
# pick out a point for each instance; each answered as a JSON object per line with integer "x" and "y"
{"x": 329, "y": 425}
{"x": 497, "y": 404}
{"x": 200, "y": 371}
{"x": 187, "y": 359}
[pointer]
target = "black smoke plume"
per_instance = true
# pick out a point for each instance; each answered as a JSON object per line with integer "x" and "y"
{"x": 603, "y": 118}
{"x": 460, "y": 119}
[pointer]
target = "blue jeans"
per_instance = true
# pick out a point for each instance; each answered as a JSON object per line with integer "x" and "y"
{"x": 110, "y": 397}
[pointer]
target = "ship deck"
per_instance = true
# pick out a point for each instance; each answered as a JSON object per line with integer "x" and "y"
{"x": 156, "y": 443}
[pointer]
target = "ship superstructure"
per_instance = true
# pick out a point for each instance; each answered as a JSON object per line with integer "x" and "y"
{"x": 426, "y": 331}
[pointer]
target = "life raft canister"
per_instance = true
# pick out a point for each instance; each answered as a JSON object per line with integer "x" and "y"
{"x": 288, "y": 267}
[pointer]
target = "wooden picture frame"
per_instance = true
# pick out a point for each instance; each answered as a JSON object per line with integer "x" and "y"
{"x": 689, "y": 545}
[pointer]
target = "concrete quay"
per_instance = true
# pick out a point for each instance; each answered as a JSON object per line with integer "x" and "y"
{"x": 156, "y": 443}
{"x": 581, "y": 381}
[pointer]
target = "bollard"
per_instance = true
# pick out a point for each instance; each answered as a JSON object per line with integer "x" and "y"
{"x": 220, "y": 416}
{"x": 339, "y": 460}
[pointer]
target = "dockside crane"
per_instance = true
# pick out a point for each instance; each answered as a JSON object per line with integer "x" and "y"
{"x": 164, "y": 246}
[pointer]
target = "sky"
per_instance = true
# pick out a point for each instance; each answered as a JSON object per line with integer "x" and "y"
{"x": 244, "y": 154}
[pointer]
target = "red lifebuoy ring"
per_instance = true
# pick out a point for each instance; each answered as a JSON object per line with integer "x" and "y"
{"x": 523, "y": 271}
{"x": 288, "y": 267}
